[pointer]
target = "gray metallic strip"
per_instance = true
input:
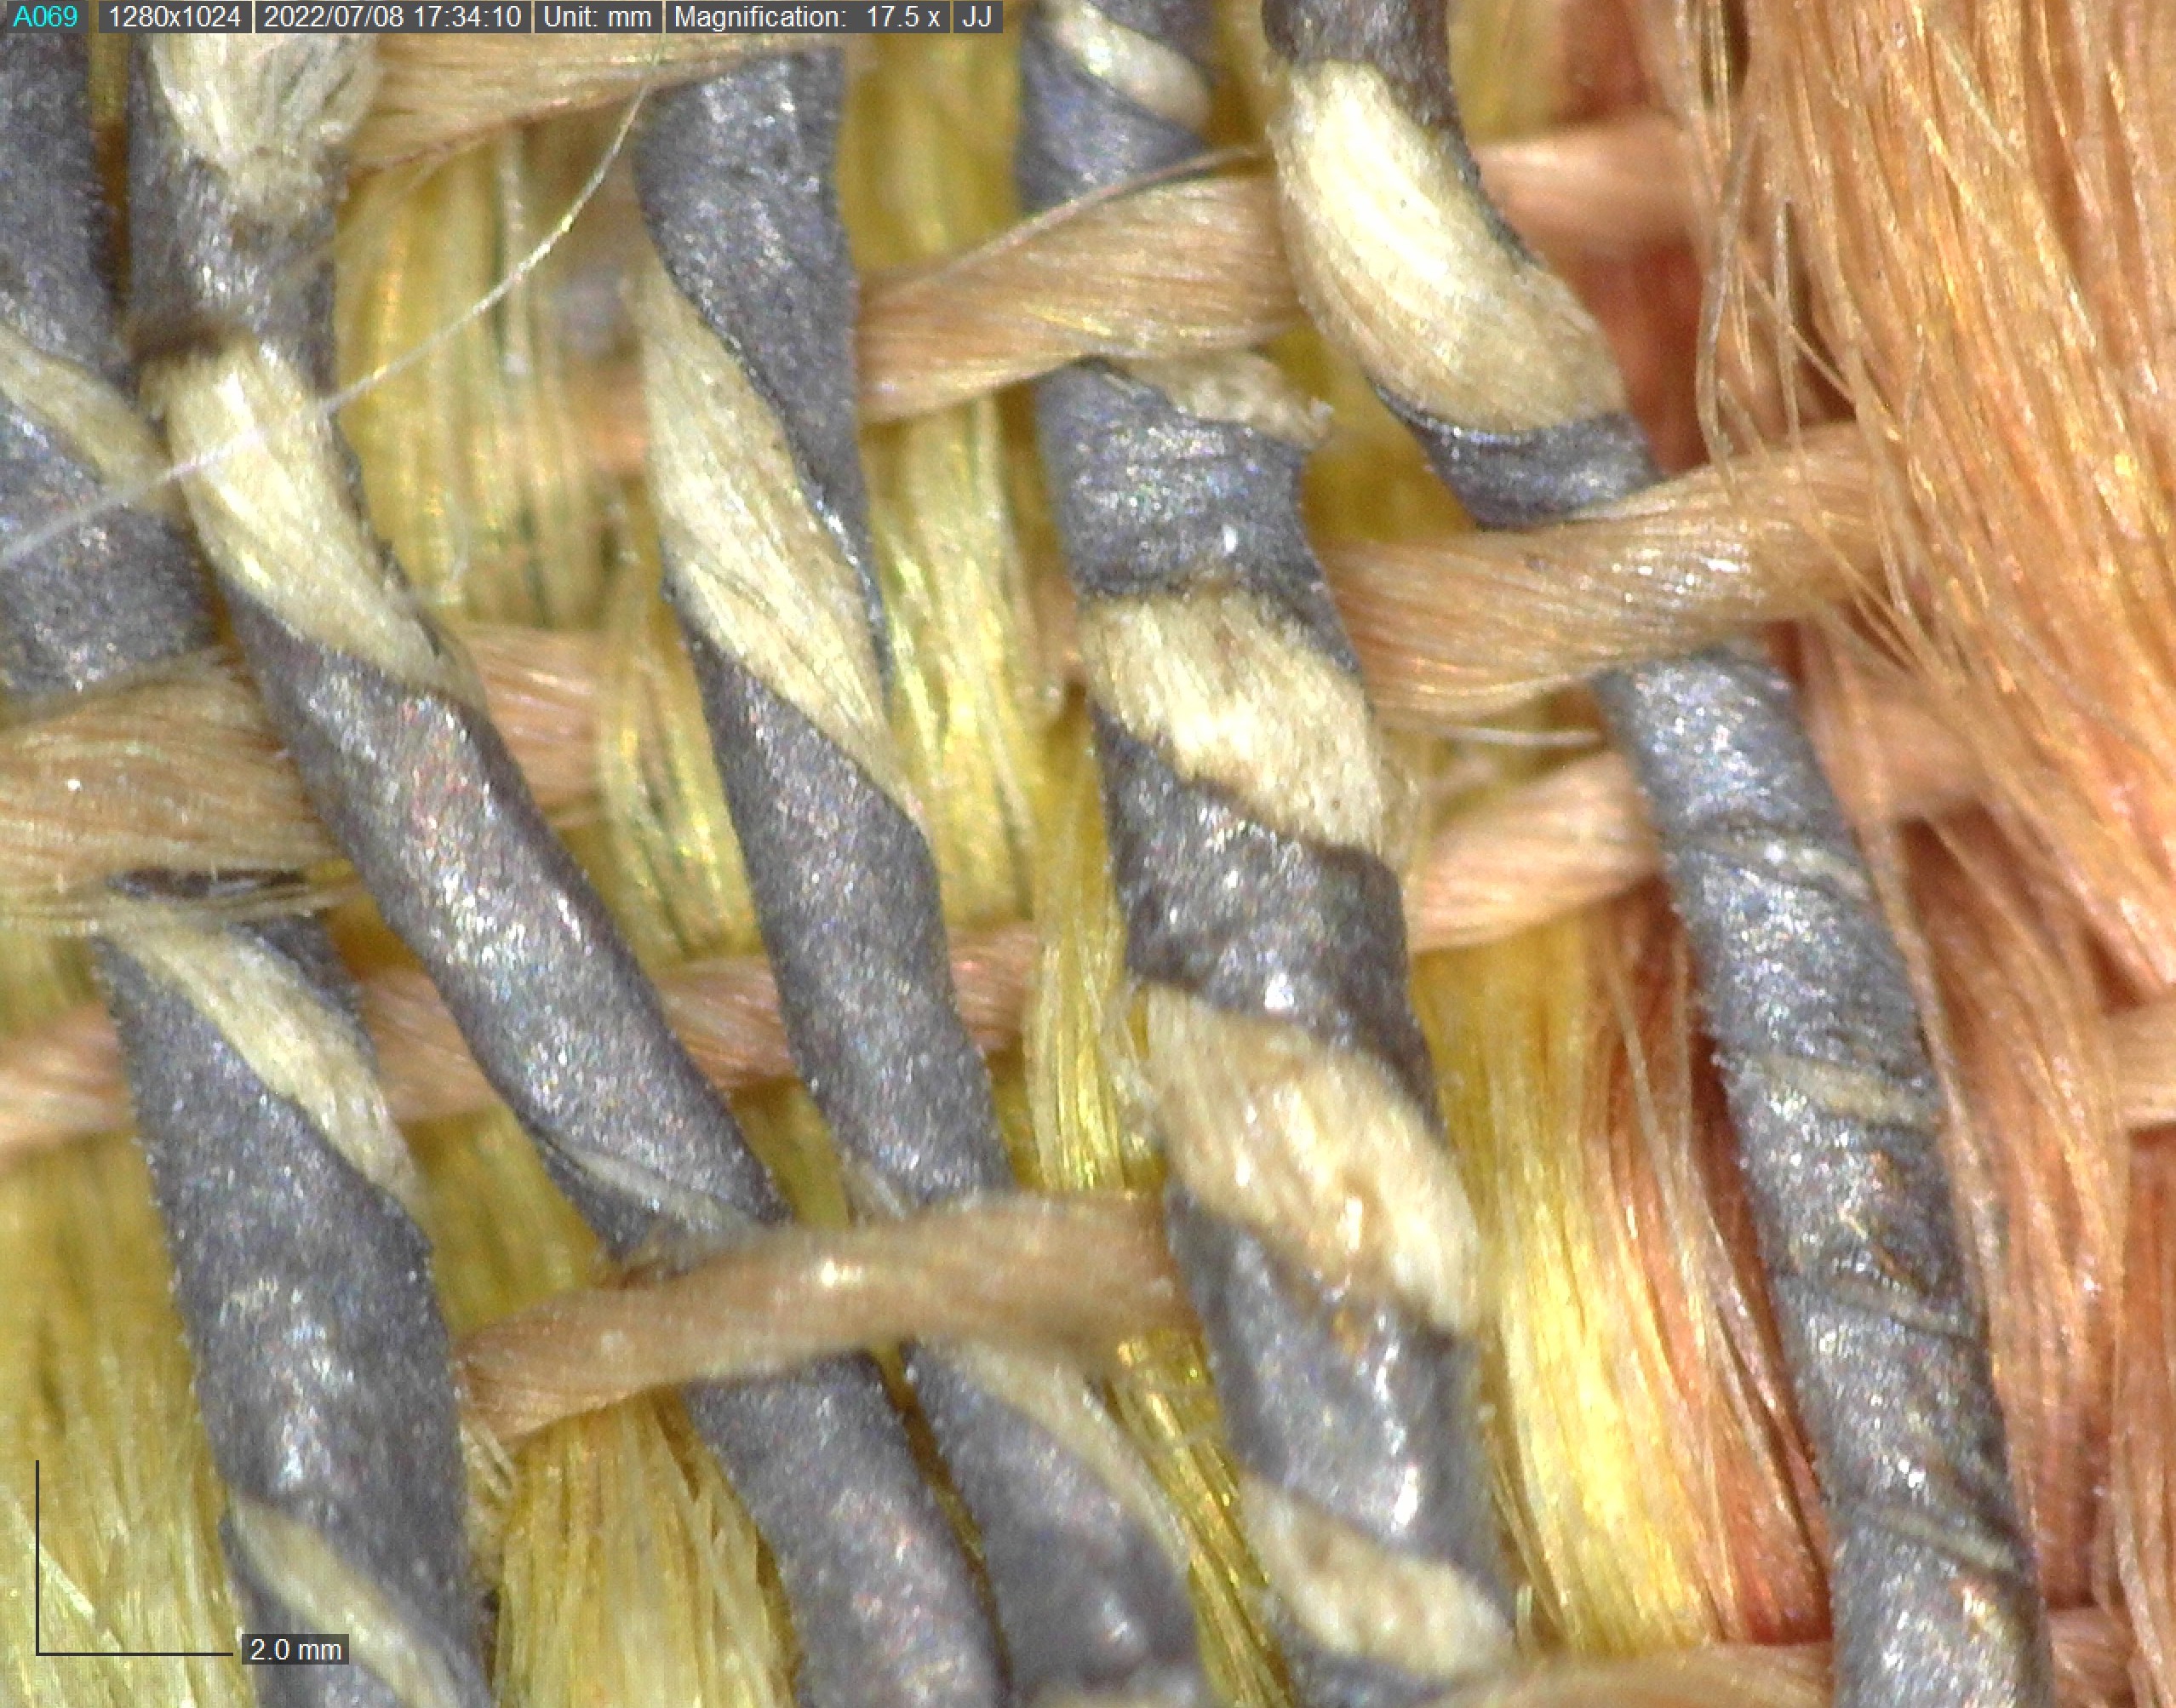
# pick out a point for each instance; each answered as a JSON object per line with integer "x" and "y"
{"x": 1936, "y": 1593}
{"x": 1151, "y": 499}
{"x": 117, "y": 593}
{"x": 54, "y": 223}
{"x": 121, "y": 592}
{"x": 1088, "y": 1601}
{"x": 420, "y": 790}
{"x": 1523, "y": 479}
{"x": 846, "y": 895}
{"x": 736, "y": 181}
{"x": 421, "y": 793}
{"x": 886, "y": 1615}
{"x": 322, "y": 1364}
{"x": 1408, "y": 40}
{"x": 736, "y": 188}
{"x": 1935, "y": 1597}
{"x": 322, "y": 1367}
{"x": 1350, "y": 1406}
{"x": 1256, "y": 921}
{"x": 1077, "y": 133}
{"x": 423, "y": 797}
{"x": 1348, "y": 1403}
{"x": 202, "y": 272}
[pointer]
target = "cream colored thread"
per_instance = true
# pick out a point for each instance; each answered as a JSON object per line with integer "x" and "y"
{"x": 266, "y": 112}
{"x": 1239, "y": 386}
{"x": 1849, "y": 1093}
{"x": 1353, "y": 1596}
{"x": 280, "y": 1026}
{"x": 1391, "y": 249}
{"x": 1789, "y": 857}
{"x": 440, "y": 91}
{"x": 758, "y": 573}
{"x": 1233, "y": 698}
{"x": 99, "y": 425}
{"x": 306, "y": 1572}
{"x": 271, "y": 503}
{"x": 1317, "y": 1149}
{"x": 1056, "y": 1398}
{"x": 1143, "y": 70}
{"x": 694, "y": 1226}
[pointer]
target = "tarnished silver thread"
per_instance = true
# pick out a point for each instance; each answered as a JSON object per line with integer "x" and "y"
{"x": 322, "y": 1364}
{"x": 1261, "y": 928}
{"x": 1936, "y": 1598}
{"x": 232, "y": 301}
{"x": 737, "y": 181}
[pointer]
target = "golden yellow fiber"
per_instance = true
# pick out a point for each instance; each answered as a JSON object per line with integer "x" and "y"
{"x": 675, "y": 876}
{"x": 1646, "y": 1455}
{"x": 1603, "y": 1527}
{"x": 924, "y": 172}
{"x": 96, "y": 1381}
{"x": 473, "y": 464}
{"x": 631, "y": 1573}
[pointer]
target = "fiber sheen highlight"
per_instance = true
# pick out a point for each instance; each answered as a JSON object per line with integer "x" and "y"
{"x": 1391, "y": 251}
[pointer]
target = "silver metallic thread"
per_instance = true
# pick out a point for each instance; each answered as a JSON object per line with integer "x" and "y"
{"x": 736, "y": 178}
{"x": 419, "y": 789}
{"x": 1352, "y": 1405}
{"x": 322, "y": 1364}
{"x": 1936, "y": 1596}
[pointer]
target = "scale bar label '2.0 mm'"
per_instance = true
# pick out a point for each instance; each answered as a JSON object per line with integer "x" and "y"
{"x": 293, "y": 1648}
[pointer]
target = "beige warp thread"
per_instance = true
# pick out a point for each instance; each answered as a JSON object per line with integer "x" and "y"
{"x": 117, "y": 781}
{"x": 1316, "y": 1149}
{"x": 1575, "y": 836}
{"x": 1005, "y": 1270}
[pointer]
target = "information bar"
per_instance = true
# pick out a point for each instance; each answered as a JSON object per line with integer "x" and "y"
{"x": 520, "y": 17}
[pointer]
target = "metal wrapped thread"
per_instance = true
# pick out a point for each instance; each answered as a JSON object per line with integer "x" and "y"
{"x": 236, "y": 165}
{"x": 1324, "y": 1241}
{"x": 748, "y": 355}
{"x": 1521, "y": 410}
{"x": 322, "y": 1363}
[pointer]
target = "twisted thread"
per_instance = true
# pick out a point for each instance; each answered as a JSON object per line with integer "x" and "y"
{"x": 1326, "y": 1243}
{"x": 1808, "y": 1000}
{"x": 387, "y": 725}
{"x": 747, "y": 362}
{"x": 322, "y": 1362}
